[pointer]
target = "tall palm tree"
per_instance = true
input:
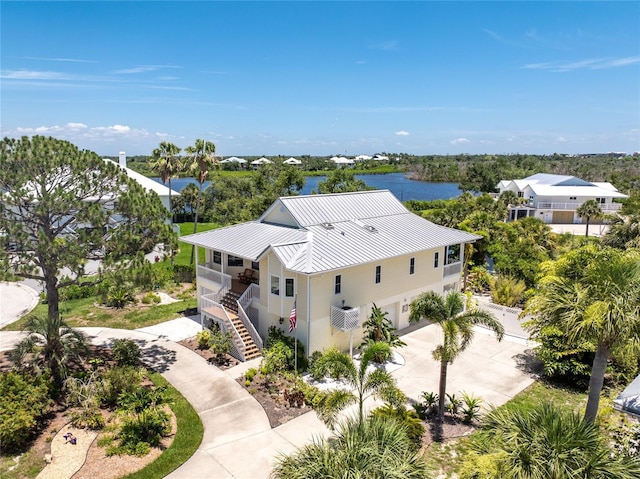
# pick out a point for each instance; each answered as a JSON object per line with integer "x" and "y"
{"x": 624, "y": 232}
{"x": 377, "y": 449}
{"x": 599, "y": 302}
{"x": 589, "y": 209}
{"x": 167, "y": 163}
{"x": 203, "y": 159}
{"x": 545, "y": 442}
{"x": 457, "y": 326}
{"x": 50, "y": 345}
{"x": 363, "y": 382}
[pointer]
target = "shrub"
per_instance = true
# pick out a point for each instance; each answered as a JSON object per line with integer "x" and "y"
{"x": 117, "y": 381}
{"x": 278, "y": 358}
{"x": 470, "y": 407}
{"x": 220, "y": 344}
{"x": 119, "y": 296}
{"x": 507, "y": 291}
{"x": 151, "y": 298}
{"x": 184, "y": 273}
{"x": 203, "y": 337}
{"x": 126, "y": 352}
{"x": 250, "y": 374}
{"x": 144, "y": 429}
{"x": 77, "y": 291}
{"x": 409, "y": 419}
{"x": 275, "y": 336}
{"x": 23, "y": 401}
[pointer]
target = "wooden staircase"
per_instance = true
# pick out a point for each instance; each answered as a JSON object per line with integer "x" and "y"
{"x": 229, "y": 303}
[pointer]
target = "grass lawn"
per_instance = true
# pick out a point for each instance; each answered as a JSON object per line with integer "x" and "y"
{"x": 447, "y": 458}
{"x": 88, "y": 311}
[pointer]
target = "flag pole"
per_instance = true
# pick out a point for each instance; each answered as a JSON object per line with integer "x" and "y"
{"x": 295, "y": 336}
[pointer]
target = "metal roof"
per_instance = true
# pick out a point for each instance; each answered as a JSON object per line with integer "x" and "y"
{"x": 247, "y": 240}
{"x": 147, "y": 183}
{"x": 333, "y": 208}
{"x": 336, "y": 231}
{"x": 629, "y": 400}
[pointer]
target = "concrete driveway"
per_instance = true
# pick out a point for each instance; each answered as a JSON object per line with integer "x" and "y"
{"x": 238, "y": 441}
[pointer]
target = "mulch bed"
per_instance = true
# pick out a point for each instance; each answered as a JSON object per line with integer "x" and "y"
{"x": 452, "y": 429}
{"x": 192, "y": 344}
{"x": 270, "y": 395}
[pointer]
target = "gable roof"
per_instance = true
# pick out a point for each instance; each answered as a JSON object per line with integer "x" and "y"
{"x": 544, "y": 184}
{"x": 333, "y": 232}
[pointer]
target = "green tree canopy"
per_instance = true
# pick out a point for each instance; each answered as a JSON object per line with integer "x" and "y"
{"x": 341, "y": 180}
{"x": 63, "y": 206}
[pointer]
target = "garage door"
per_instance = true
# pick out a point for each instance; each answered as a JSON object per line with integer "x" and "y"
{"x": 563, "y": 217}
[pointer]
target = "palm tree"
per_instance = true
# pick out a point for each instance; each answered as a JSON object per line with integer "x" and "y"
{"x": 457, "y": 326}
{"x": 377, "y": 449}
{"x": 545, "y": 442}
{"x": 589, "y": 209}
{"x": 203, "y": 159}
{"x": 378, "y": 329}
{"x": 624, "y": 233}
{"x": 50, "y": 344}
{"x": 598, "y": 302}
{"x": 362, "y": 381}
{"x": 167, "y": 163}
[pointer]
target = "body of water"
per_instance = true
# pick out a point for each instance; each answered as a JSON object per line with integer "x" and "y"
{"x": 403, "y": 188}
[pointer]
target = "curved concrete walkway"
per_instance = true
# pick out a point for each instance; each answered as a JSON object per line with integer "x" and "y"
{"x": 238, "y": 441}
{"x": 16, "y": 300}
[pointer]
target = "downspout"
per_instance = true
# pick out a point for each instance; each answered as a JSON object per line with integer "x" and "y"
{"x": 309, "y": 255}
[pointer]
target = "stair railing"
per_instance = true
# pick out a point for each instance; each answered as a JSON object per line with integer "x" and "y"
{"x": 249, "y": 326}
{"x": 212, "y": 308}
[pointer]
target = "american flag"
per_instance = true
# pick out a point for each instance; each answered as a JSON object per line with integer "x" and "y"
{"x": 292, "y": 318}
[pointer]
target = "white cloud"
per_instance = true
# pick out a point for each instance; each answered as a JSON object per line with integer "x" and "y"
{"x": 73, "y": 60}
{"x": 459, "y": 141}
{"x": 402, "y": 133}
{"x": 32, "y": 75}
{"x": 588, "y": 63}
{"x": 143, "y": 69}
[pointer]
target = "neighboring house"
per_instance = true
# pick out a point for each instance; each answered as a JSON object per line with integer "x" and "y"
{"x": 555, "y": 198}
{"x": 292, "y": 161}
{"x": 234, "y": 159}
{"x": 147, "y": 183}
{"x": 260, "y": 161}
{"x": 337, "y": 254}
{"x": 342, "y": 161}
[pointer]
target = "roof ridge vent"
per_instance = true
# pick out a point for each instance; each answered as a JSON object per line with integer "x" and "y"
{"x": 371, "y": 229}
{"x": 327, "y": 226}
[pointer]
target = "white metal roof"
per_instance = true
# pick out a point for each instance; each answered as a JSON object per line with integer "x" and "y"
{"x": 336, "y": 231}
{"x": 261, "y": 161}
{"x": 147, "y": 183}
{"x": 292, "y": 161}
{"x": 577, "y": 191}
{"x": 234, "y": 159}
{"x": 340, "y": 160}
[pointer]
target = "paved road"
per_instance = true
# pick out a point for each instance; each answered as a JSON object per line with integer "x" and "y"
{"x": 16, "y": 300}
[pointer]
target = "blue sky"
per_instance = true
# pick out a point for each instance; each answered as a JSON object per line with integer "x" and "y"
{"x": 324, "y": 78}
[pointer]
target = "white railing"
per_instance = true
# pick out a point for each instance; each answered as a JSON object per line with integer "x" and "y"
{"x": 451, "y": 269}
{"x": 249, "y": 325}
{"x": 345, "y": 318}
{"x": 544, "y": 205}
{"x": 213, "y": 276}
{"x": 252, "y": 293}
{"x": 212, "y": 308}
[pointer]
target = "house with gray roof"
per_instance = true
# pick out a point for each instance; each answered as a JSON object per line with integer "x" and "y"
{"x": 329, "y": 257}
{"x": 555, "y": 198}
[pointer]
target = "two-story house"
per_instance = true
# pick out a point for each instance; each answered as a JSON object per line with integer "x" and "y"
{"x": 555, "y": 198}
{"x": 333, "y": 256}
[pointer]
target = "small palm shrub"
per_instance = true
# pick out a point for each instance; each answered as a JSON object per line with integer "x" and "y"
{"x": 428, "y": 407}
{"x": 119, "y": 296}
{"x": 508, "y": 291}
{"x": 141, "y": 431}
{"x": 470, "y": 408}
{"x": 453, "y": 404}
{"x": 126, "y": 352}
{"x": 84, "y": 394}
{"x": 117, "y": 381}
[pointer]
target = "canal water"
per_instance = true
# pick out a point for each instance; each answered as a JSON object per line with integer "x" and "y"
{"x": 403, "y": 188}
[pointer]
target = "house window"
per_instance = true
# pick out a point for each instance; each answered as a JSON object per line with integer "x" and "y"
{"x": 234, "y": 261}
{"x": 217, "y": 257}
{"x": 601, "y": 200}
{"x": 288, "y": 287}
{"x": 378, "y": 273}
{"x": 412, "y": 265}
{"x": 255, "y": 265}
{"x": 452, "y": 254}
{"x": 338, "y": 284}
{"x": 275, "y": 285}
{"x": 520, "y": 194}
{"x": 436, "y": 259}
